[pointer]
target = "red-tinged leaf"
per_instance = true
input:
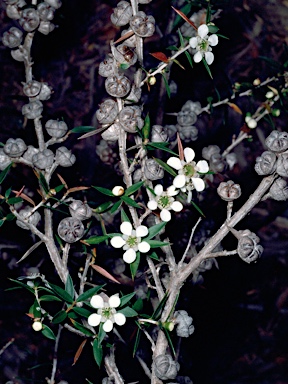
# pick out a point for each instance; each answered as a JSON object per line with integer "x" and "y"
{"x": 160, "y": 56}
{"x": 104, "y": 273}
{"x": 235, "y": 108}
{"x": 62, "y": 181}
{"x": 76, "y": 189}
{"x": 25, "y": 197}
{"x": 18, "y": 193}
{"x": 30, "y": 315}
{"x": 124, "y": 37}
{"x": 185, "y": 18}
{"x": 79, "y": 351}
{"x": 180, "y": 148}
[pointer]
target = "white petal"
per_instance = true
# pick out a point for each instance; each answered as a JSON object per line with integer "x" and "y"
{"x": 203, "y": 30}
{"x": 198, "y": 184}
{"x": 119, "y": 319}
{"x": 189, "y": 197}
{"x": 141, "y": 231}
{"x": 108, "y": 326}
{"x": 126, "y": 228}
{"x": 175, "y": 163}
{"x": 179, "y": 181}
{"x": 114, "y": 301}
{"x": 176, "y": 206}
{"x": 94, "y": 319}
{"x": 158, "y": 189}
{"x": 129, "y": 256}
{"x": 189, "y": 154}
{"x": 165, "y": 215}
{"x": 209, "y": 57}
{"x": 197, "y": 57}
{"x": 193, "y": 42}
{"x": 213, "y": 40}
{"x": 117, "y": 242}
{"x": 96, "y": 301}
{"x": 202, "y": 166}
{"x": 152, "y": 204}
{"x": 172, "y": 191}
{"x": 144, "y": 247}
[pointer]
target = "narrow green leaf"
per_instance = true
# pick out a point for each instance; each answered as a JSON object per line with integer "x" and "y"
{"x": 49, "y": 298}
{"x": 133, "y": 188}
{"x": 138, "y": 305}
{"x": 130, "y": 201}
{"x": 101, "y": 334}
{"x": 116, "y": 206}
{"x": 69, "y": 286}
{"x": 47, "y": 332}
{"x": 208, "y": 14}
{"x": 124, "y": 216}
{"x": 169, "y": 340}
{"x": 81, "y": 328}
{"x": 146, "y": 129}
{"x": 189, "y": 58}
{"x": 103, "y": 207}
{"x": 180, "y": 38}
{"x": 207, "y": 67}
{"x": 82, "y": 129}
{"x": 59, "y": 188}
{"x": 4, "y": 173}
{"x": 213, "y": 28}
{"x": 86, "y": 295}
{"x": 154, "y": 256}
{"x": 23, "y": 285}
{"x": 125, "y": 299}
{"x": 105, "y": 191}
{"x": 165, "y": 166}
{"x": 162, "y": 146}
{"x": 197, "y": 208}
{"x": 172, "y": 48}
{"x": 2, "y": 222}
{"x": 134, "y": 266}
{"x": 157, "y": 312}
{"x": 88, "y": 381}
{"x": 155, "y": 229}
{"x": 156, "y": 243}
{"x": 166, "y": 85}
{"x": 124, "y": 66}
{"x": 14, "y": 200}
{"x": 10, "y": 217}
{"x": 97, "y": 352}
{"x": 62, "y": 293}
{"x": 43, "y": 183}
{"x": 137, "y": 340}
{"x": 82, "y": 312}
{"x": 96, "y": 239}
{"x": 59, "y": 317}
{"x": 128, "y": 312}
{"x": 185, "y": 9}
{"x": 35, "y": 310}
{"x": 7, "y": 193}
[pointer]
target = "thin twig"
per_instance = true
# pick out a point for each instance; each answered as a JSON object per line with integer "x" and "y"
{"x": 189, "y": 243}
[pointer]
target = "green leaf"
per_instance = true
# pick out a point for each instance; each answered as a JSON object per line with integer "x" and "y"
{"x": 101, "y": 334}
{"x": 165, "y": 166}
{"x": 10, "y": 217}
{"x": 49, "y": 298}
{"x": 134, "y": 266}
{"x": 47, "y": 332}
{"x": 7, "y": 193}
{"x": 81, "y": 328}
{"x": 155, "y": 229}
{"x": 137, "y": 340}
{"x": 156, "y": 243}
{"x": 82, "y": 129}
{"x": 157, "y": 312}
{"x": 185, "y": 9}
{"x": 133, "y": 188}
{"x": 2, "y": 222}
{"x": 4, "y": 173}
{"x": 23, "y": 285}
{"x": 59, "y": 188}
{"x": 180, "y": 38}
{"x": 146, "y": 129}
{"x": 189, "y": 58}
{"x": 197, "y": 208}
{"x": 128, "y": 312}
{"x": 43, "y": 183}
{"x": 125, "y": 299}
{"x": 86, "y": 295}
{"x": 138, "y": 305}
{"x": 207, "y": 67}
{"x": 88, "y": 381}
{"x": 169, "y": 340}
{"x": 103, "y": 207}
{"x": 105, "y": 191}
{"x": 82, "y": 311}
{"x": 69, "y": 286}
{"x": 35, "y": 309}
{"x": 163, "y": 146}
{"x": 59, "y": 317}
{"x": 116, "y": 206}
{"x": 14, "y": 200}
{"x": 124, "y": 216}
{"x": 208, "y": 15}
{"x": 97, "y": 352}
{"x": 213, "y": 28}
{"x": 154, "y": 256}
{"x": 172, "y": 48}
{"x": 130, "y": 201}
{"x": 62, "y": 293}
{"x": 96, "y": 239}
{"x": 124, "y": 66}
{"x": 166, "y": 85}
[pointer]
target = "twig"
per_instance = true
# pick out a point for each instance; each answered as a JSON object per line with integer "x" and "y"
{"x": 111, "y": 368}
{"x": 189, "y": 243}
{"x": 55, "y": 356}
{"x": 2, "y": 350}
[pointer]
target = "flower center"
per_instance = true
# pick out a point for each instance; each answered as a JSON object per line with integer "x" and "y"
{"x": 203, "y": 45}
{"x": 189, "y": 170}
{"x": 164, "y": 202}
{"x": 132, "y": 241}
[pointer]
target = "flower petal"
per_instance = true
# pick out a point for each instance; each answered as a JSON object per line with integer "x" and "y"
{"x": 129, "y": 256}
{"x": 165, "y": 215}
{"x": 193, "y": 42}
{"x": 152, "y": 204}
{"x": 114, "y": 301}
{"x": 158, "y": 189}
{"x": 119, "y": 319}
{"x": 108, "y": 326}
{"x": 189, "y": 154}
{"x": 117, "y": 242}
{"x": 213, "y": 40}
{"x": 126, "y": 228}
{"x": 202, "y": 166}
{"x": 203, "y": 30}
{"x": 209, "y": 57}
{"x": 97, "y": 301}
{"x": 179, "y": 181}
{"x": 198, "y": 184}
{"x": 94, "y": 319}
{"x": 144, "y": 247}
{"x": 172, "y": 191}
{"x": 175, "y": 163}
{"x": 141, "y": 231}
{"x": 176, "y": 206}
{"x": 197, "y": 57}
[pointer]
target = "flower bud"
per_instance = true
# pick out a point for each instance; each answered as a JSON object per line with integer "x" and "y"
{"x": 152, "y": 80}
{"x": 118, "y": 190}
{"x": 37, "y": 325}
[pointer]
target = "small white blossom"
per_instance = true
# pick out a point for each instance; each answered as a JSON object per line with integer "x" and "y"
{"x": 188, "y": 177}
{"x": 165, "y": 202}
{"x": 202, "y": 43}
{"x": 106, "y": 312}
{"x": 131, "y": 241}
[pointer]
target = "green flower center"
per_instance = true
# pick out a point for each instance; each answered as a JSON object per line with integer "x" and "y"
{"x": 188, "y": 170}
{"x": 106, "y": 312}
{"x": 203, "y": 45}
{"x": 132, "y": 241}
{"x": 164, "y": 202}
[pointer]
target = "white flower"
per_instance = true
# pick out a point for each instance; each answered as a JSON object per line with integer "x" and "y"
{"x": 202, "y": 43}
{"x": 165, "y": 202}
{"x": 188, "y": 177}
{"x": 106, "y": 312}
{"x": 131, "y": 241}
